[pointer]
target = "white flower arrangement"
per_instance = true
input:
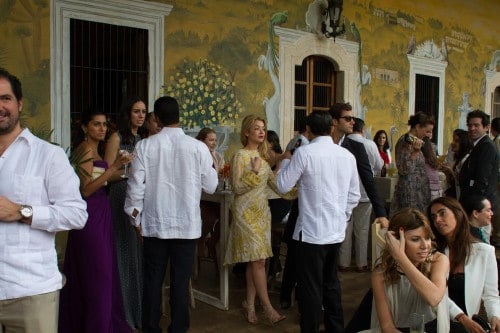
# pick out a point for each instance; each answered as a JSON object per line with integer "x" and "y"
{"x": 205, "y": 93}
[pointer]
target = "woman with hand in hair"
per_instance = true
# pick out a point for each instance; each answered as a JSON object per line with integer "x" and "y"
{"x": 410, "y": 278}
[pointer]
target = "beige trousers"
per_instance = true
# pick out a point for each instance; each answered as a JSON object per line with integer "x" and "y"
{"x": 30, "y": 314}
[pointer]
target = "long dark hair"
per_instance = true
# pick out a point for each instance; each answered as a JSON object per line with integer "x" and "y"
{"x": 274, "y": 140}
{"x": 124, "y": 122}
{"x": 421, "y": 118}
{"x": 85, "y": 119}
{"x": 430, "y": 154}
{"x": 464, "y": 145}
{"x": 460, "y": 248}
{"x": 377, "y": 136}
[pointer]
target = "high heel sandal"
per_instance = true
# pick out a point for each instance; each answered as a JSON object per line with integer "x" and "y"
{"x": 249, "y": 312}
{"x": 273, "y": 316}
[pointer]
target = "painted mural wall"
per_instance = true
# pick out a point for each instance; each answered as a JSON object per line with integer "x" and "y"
{"x": 25, "y": 52}
{"x": 219, "y": 59}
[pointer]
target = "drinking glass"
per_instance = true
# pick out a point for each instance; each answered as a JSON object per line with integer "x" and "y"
{"x": 392, "y": 170}
{"x": 124, "y": 153}
{"x": 417, "y": 323}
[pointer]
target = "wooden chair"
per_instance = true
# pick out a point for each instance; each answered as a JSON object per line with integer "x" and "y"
{"x": 378, "y": 242}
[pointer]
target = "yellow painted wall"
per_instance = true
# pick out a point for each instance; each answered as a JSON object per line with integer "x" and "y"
{"x": 231, "y": 35}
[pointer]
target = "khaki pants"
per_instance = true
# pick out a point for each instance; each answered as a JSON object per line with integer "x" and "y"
{"x": 31, "y": 314}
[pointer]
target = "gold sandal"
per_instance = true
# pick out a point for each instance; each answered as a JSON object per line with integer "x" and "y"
{"x": 273, "y": 316}
{"x": 249, "y": 312}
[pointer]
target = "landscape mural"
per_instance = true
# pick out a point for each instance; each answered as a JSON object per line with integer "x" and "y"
{"x": 215, "y": 52}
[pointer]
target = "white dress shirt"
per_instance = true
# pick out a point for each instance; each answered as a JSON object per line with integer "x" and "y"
{"x": 167, "y": 176}
{"x": 327, "y": 179}
{"x": 376, "y": 162}
{"x": 36, "y": 173}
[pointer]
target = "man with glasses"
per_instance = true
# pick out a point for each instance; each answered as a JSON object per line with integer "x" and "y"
{"x": 343, "y": 122}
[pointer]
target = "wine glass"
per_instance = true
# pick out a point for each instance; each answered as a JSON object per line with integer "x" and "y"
{"x": 124, "y": 153}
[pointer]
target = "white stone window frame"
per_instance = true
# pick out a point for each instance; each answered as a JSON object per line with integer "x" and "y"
{"x": 141, "y": 14}
{"x": 429, "y": 67}
{"x": 294, "y": 47}
{"x": 492, "y": 82}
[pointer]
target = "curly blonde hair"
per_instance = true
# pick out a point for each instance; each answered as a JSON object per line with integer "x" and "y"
{"x": 246, "y": 126}
{"x": 407, "y": 219}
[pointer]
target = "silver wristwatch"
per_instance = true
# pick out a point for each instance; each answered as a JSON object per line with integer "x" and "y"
{"x": 26, "y": 211}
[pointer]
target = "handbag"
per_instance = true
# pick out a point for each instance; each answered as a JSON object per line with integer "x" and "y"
{"x": 484, "y": 323}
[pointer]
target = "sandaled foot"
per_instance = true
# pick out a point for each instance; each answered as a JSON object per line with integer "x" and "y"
{"x": 249, "y": 312}
{"x": 273, "y": 317}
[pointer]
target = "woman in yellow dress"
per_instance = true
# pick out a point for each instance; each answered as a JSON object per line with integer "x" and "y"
{"x": 250, "y": 232}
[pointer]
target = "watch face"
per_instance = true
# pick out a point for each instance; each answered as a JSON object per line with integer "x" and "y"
{"x": 26, "y": 211}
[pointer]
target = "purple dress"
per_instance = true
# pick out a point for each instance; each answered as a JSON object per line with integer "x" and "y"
{"x": 91, "y": 300}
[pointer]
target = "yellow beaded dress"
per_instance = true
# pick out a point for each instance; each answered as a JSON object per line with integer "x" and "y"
{"x": 250, "y": 231}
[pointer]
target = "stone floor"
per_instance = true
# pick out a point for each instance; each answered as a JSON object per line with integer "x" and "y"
{"x": 206, "y": 318}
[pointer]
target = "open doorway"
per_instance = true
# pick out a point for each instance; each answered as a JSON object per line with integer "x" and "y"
{"x": 108, "y": 63}
{"x": 427, "y": 99}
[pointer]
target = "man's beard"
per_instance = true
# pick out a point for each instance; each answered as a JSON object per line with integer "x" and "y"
{"x": 10, "y": 125}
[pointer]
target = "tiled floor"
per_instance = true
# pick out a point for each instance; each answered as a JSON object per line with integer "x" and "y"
{"x": 206, "y": 318}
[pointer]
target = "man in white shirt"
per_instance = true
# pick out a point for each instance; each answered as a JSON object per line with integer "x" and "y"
{"x": 169, "y": 172}
{"x": 328, "y": 185}
{"x": 39, "y": 195}
{"x": 359, "y": 229}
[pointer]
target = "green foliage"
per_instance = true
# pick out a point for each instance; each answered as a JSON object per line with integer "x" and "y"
{"x": 37, "y": 83}
{"x": 406, "y": 16}
{"x": 41, "y": 3}
{"x": 232, "y": 52}
{"x": 183, "y": 39}
{"x": 5, "y": 9}
{"x": 435, "y": 24}
{"x": 22, "y": 31}
{"x": 205, "y": 94}
{"x": 77, "y": 159}
{"x": 43, "y": 132}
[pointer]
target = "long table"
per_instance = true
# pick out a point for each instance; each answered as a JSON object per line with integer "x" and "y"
{"x": 224, "y": 198}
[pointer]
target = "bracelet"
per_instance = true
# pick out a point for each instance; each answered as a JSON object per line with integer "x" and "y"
{"x": 457, "y": 318}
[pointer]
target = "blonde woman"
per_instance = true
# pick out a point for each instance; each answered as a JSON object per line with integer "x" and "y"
{"x": 250, "y": 233}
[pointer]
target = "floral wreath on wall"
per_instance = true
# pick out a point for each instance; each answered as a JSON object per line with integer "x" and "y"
{"x": 205, "y": 93}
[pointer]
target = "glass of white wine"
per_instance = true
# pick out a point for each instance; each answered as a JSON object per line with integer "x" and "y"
{"x": 124, "y": 153}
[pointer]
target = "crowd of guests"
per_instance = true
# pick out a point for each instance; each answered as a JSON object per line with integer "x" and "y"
{"x": 135, "y": 209}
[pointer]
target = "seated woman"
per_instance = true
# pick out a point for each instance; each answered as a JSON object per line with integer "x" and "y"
{"x": 410, "y": 278}
{"x": 473, "y": 272}
{"x": 478, "y": 209}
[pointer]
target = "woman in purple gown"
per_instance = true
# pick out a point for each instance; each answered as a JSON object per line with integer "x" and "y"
{"x": 91, "y": 300}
